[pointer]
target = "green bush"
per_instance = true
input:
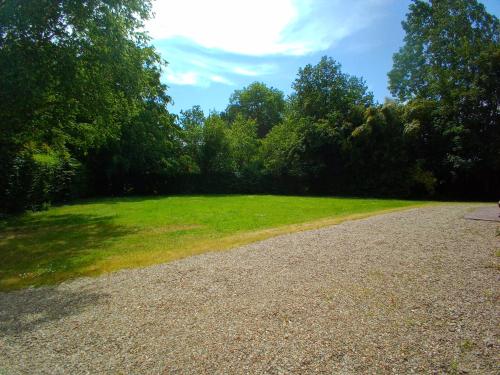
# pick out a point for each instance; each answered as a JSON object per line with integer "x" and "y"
{"x": 38, "y": 177}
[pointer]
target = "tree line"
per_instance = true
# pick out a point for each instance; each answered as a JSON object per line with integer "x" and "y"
{"x": 84, "y": 113}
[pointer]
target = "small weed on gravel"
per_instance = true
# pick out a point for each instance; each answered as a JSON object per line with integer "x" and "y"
{"x": 466, "y": 345}
{"x": 453, "y": 370}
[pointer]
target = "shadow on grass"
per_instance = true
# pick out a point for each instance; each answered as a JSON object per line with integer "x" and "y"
{"x": 29, "y": 309}
{"x": 44, "y": 249}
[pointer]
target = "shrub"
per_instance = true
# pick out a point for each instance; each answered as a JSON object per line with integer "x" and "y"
{"x": 37, "y": 177}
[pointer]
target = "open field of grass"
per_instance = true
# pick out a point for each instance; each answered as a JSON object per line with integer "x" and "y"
{"x": 104, "y": 235}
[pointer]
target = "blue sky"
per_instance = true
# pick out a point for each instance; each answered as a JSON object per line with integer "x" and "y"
{"x": 214, "y": 47}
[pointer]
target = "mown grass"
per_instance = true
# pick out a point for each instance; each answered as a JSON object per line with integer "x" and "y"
{"x": 105, "y": 235}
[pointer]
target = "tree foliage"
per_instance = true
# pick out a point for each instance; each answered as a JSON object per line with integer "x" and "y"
{"x": 257, "y": 102}
{"x": 450, "y": 61}
{"x": 75, "y": 75}
{"x": 243, "y": 145}
{"x": 444, "y": 42}
{"x": 323, "y": 91}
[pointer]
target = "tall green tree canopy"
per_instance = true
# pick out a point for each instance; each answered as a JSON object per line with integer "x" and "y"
{"x": 73, "y": 71}
{"x": 444, "y": 44}
{"x": 451, "y": 56}
{"x": 257, "y": 102}
{"x": 323, "y": 91}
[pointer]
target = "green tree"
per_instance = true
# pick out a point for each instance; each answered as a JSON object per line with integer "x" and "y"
{"x": 323, "y": 91}
{"x": 280, "y": 156}
{"x": 215, "y": 149}
{"x": 73, "y": 73}
{"x": 444, "y": 42}
{"x": 299, "y": 154}
{"x": 243, "y": 145}
{"x": 192, "y": 118}
{"x": 144, "y": 159}
{"x": 326, "y": 106}
{"x": 257, "y": 102}
{"x": 451, "y": 57}
{"x": 377, "y": 161}
{"x": 192, "y": 122}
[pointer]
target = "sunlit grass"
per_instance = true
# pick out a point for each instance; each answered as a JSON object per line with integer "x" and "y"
{"x": 105, "y": 235}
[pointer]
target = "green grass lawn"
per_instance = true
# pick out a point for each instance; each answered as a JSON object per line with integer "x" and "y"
{"x": 104, "y": 235}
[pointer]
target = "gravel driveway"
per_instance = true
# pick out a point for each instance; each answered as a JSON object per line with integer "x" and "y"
{"x": 408, "y": 292}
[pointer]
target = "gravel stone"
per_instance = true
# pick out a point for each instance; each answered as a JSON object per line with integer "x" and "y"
{"x": 408, "y": 292}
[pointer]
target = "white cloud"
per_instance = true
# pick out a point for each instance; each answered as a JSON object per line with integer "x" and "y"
{"x": 250, "y": 27}
{"x": 262, "y": 27}
{"x": 254, "y": 71}
{"x": 198, "y": 67}
{"x": 191, "y": 78}
{"x": 186, "y": 78}
{"x": 220, "y": 79}
{"x": 213, "y": 41}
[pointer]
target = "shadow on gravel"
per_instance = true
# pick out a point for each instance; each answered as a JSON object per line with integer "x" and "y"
{"x": 30, "y": 309}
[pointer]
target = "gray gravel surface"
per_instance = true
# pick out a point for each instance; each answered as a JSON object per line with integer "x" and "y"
{"x": 490, "y": 213}
{"x": 408, "y": 292}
